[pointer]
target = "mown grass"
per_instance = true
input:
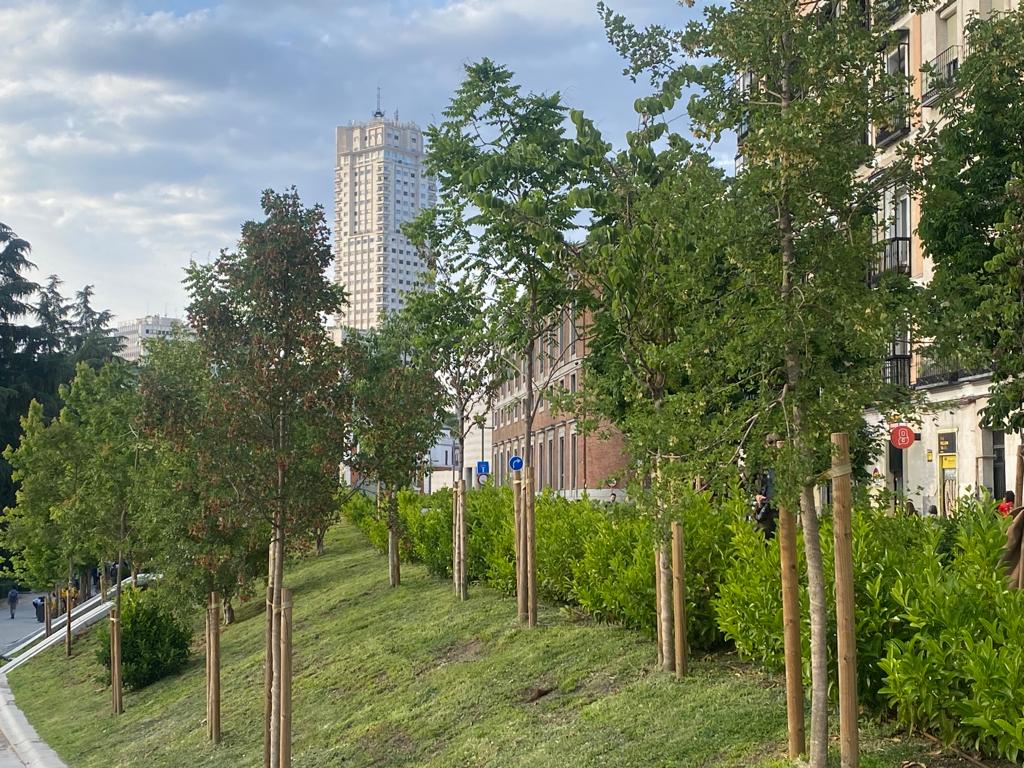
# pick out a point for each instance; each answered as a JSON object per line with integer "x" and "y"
{"x": 408, "y": 677}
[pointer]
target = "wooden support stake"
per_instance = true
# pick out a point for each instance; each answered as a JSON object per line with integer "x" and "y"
{"x": 459, "y": 530}
{"x": 286, "y": 679}
{"x": 846, "y": 633}
{"x": 115, "y": 662}
{"x": 518, "y": 494}
{"x": 791, "y": 633}
{"x": 67, "y": 626}
{"x": 679, "y": 599}
{"x": 268, "y": 678}
{"x": 531, "y": 550}
{"x": 47, "y": 627}
{"x": 209, "y": 675}
{"x": 215, "y": 668}
{"x": 657, "y": 608}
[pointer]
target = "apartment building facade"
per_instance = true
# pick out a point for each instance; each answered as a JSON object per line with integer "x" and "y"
{"x": 134, "y": 335}
{"x": 379, "y": 184}
{"x": 952, "y": 454}
{"x": 565, "y": 458}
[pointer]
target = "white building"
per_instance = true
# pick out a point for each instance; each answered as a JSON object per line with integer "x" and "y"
{"x": 379, "y": 184}
{"x": 478, "y": 447}
{"x": 952, "y": 454}
{"x": 134, "y": 335}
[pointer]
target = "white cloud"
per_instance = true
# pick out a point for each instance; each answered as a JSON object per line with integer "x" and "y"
{"x": 131, "y": 140}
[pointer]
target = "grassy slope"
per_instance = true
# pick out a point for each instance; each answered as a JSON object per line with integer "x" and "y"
{"x": 407, "y": 677}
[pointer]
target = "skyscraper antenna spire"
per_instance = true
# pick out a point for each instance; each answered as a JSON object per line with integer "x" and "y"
{"x": 379, "y": 112}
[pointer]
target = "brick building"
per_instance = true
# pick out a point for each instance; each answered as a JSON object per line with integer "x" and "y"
{"x": 564, "y": 459}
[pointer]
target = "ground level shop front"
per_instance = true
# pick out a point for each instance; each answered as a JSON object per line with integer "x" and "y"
{"x": 952, "y": 455}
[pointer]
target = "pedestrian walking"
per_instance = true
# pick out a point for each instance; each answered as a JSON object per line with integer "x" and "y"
{"x": 765, "y": 516}
{"x": 12, "y": 600}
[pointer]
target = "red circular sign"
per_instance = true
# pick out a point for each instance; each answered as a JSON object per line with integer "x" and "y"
{"x": 902, "y": 437}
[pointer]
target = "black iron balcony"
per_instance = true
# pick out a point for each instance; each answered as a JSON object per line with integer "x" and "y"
{"x": 931, "y": 372}
{"x": 894, "y": 258}
{"x": 890, "y": 130}
{"x": 885, "y": 13}
{"x": 896, "y": 370}
{"x": 941, "y": 71}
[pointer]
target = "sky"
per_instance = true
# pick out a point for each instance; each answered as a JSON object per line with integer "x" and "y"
{"x": 136, "y": 135}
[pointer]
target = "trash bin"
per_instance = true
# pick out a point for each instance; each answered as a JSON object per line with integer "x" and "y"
{"x": 40, "y": 608}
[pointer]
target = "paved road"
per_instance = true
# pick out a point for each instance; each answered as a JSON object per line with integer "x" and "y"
{"x": 12, "y": 631}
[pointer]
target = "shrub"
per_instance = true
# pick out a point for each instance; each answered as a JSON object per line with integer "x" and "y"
{"x": 154, "y": 641}
{"x": 595, "y": 555}
{"x": 613, "y": 580}
{"x": 427, "y": 529}
{"x": 960, "y": 672}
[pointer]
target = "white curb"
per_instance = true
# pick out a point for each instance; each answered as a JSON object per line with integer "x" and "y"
{"x": 30, "y": 749}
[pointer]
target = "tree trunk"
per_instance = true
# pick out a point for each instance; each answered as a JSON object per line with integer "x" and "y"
{"x": 277, "y": 560}
{"x": 394, "y": 558}
{"x": 819, "y": 630}
{"x": 668, "y": 654}
{"x": 808, "y": 514}
{"x": 1018, "y": 484}
{"x": 320, "y": 533}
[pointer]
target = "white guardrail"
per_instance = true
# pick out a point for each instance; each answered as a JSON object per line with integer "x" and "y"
{"x": 82, "y": 617}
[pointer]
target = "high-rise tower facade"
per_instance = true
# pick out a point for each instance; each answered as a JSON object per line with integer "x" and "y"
{"x": 379, "y": 184}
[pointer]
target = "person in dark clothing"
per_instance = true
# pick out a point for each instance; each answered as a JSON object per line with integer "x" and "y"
{"x": 766, "y": 516}
{"x": 12, "y": 600}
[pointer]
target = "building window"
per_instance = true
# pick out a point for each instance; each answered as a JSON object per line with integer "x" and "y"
{"x": 892, "y": 228}
{"x": 896, "y": 367}
{"x": 561, "y": 462}
{"x": 897, "y": 62}
{"x": 572, "y": 458}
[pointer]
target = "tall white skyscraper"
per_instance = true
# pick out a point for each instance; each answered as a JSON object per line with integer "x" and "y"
{"x": 379, "y": 184}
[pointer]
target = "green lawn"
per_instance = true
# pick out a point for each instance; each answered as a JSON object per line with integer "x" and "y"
{"x": 407, "y": 677}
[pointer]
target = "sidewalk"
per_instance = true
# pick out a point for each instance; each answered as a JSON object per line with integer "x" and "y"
{"x": 20, "y": 745}
{"x": 13, "y": 631}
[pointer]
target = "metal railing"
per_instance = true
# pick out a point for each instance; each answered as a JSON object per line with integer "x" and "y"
{"x": 940, "y": 74}
{"x": 884, "y": 13}
{"x": 895, "y": 257}
{"x": 896, "y": 370}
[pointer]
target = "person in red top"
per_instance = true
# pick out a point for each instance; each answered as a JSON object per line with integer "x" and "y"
{"x": 1006, "y": 505}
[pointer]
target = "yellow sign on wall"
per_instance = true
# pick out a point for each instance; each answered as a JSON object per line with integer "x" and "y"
{"x": 947, "y": 461}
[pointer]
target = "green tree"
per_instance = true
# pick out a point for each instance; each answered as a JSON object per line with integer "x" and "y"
{"x": 197, "y": 523}
{"x": 258, "y": 313}
{"x": 16, "y": 344}
{"x": 505, "y": 169}
{"x": 398, "y": 410}
{"x": 966, "y": 192}
{"x": 450, "y": 326}
{"x": 92, "y": 340}
{"x": 660, "y": 276}
{"x": 801, "y": 82}
{"x": 32, "y": 529}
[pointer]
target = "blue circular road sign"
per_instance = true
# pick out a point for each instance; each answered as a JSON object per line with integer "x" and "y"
{"x": 515, "y": 463}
